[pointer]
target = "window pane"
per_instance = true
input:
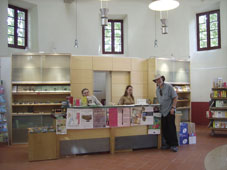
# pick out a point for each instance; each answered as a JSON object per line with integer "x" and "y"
{"x": 214, "y": 34}
{"x": 108, "y": 48}
{"x": 21, "y": 24}
{"x": 10, "y": 30}
{"x": 203, "y": 44}
{"x": 108, "y": 26}
{"x": 10, "y": 12}
{"x": 108, "y": 40}
{"x": 10, "y": 21}
{"x": 213, "y": 25}
{"x": 202, "y": 19}
{"x": 21, "y": 15}
{"x": 21, "y": 32}
{"x": 117, "y": 48}
{"x": 20, "y": 41}
{"x": 202, "y": 27}
{"x": 213, "y": 17}
{"x": 117, "y": 33}
{"x": 214, "y": 42}
{"x": 117, "y": 25}
{"x": 108, "y": 33}
{"x": 10, "y": 39}
{"x": 203, "y": 36}
{"x": 117, "y": 40}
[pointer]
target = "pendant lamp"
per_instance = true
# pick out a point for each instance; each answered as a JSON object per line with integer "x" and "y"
{"x": 163, "y": 5}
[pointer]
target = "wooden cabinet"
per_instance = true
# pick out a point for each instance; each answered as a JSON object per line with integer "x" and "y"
{"x": 42, "y": 146}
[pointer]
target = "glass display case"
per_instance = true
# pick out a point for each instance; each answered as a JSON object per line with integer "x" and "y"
{"x": 40, "y": 82}
{"x": 177, "y": 73}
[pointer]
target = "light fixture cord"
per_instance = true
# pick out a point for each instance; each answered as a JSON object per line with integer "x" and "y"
{"x": 76, "y": 19}
{"x": 155, "y": 26}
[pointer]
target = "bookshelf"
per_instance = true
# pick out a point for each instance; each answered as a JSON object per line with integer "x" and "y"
{"x": 40, "y": 83}
{"x": 218, "y": 109}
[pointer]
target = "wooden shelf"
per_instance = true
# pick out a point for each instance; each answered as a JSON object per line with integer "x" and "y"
{"x": 185, "y": 100}
{"x": 182, "y": 108}
{"x": 3, "y": 121}
{"x": 183, "y": 92}
{"x": 40, "y": 83}
{"x": 179, "y": 83}
{"x": 30, "y": 114}
{"x": 218, "y": 118}
{"x": 218, "y": 129}
{"x": 41, "y": 93}
{"x": 219, "y": 98}
{"x": 221, "y": 88}
{"x": 41, "y": 104}
{"x": 218, "y": 108}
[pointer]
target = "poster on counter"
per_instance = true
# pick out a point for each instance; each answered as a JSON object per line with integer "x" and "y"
{"x": 136, "y": 115}
{"x": 113, "y": 117}
{"x": 86, "y": 118}
{"x": 61, "y": 126}
{"x": 147, "y": 117}
{"x": 124, "y": 115}
{"x": 99, "y": 118}
{"x": 73, "y": 118}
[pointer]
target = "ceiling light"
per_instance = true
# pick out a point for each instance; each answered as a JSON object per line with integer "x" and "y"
{"x": 163, "y": 5}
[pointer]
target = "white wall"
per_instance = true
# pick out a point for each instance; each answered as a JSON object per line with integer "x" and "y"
{"x": 3, "y": 28}
{"x": 53, "y": 30}
{"x": 56, "y": 28}
{"x": 207, "y": 65}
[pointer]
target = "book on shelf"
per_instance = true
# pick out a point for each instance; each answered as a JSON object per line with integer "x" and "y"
{"x": 219, "y": 124}
{"x": 219, "y": 114}
{"x": 184, "y": 88}
{"x": 221, "y": 103}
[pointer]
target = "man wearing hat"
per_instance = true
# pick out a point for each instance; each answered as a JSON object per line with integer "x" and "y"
{"x": 167, "y": 98}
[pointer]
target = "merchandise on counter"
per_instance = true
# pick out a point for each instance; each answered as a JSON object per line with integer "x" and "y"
{"x": 41, "y": 129}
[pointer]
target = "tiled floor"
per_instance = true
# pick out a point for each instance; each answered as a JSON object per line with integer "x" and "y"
{"x": 189, "y": 157}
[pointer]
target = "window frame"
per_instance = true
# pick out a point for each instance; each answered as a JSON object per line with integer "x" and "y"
{"x": 15, "y": 45}
{"x": 112, "y": 37}
{"x": 208, "y": 30}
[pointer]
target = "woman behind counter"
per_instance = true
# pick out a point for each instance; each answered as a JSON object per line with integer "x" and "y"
{"x": 127, "y": 98}
{"x": 91, "y": 100}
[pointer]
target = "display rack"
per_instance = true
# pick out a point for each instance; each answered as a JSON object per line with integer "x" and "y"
{"x": 40, "y": 83}
{"x": 183, "y": 91}
{"x": 218, "y": 110}
{"x": 4, "y": 135}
